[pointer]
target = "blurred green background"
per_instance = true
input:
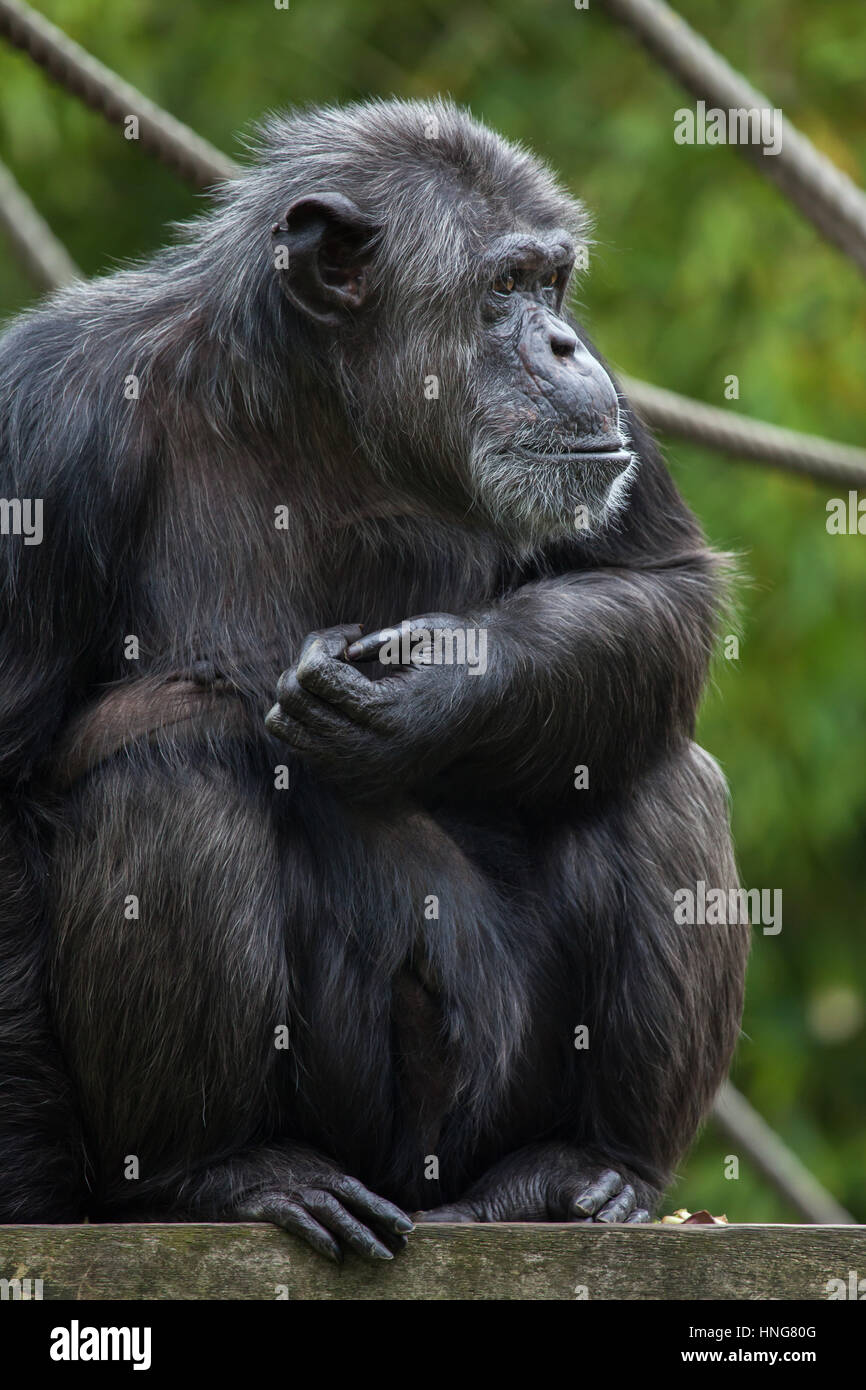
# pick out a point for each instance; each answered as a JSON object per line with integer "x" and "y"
{"x": 701, "y": 270}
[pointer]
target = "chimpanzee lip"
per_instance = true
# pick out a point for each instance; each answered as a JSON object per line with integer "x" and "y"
{"x": 583, "y": 454}
{"x": 606, "y": 453}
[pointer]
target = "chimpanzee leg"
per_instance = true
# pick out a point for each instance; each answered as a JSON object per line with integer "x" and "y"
{"x": 171, "y": 984}
{"x": 256, "y": 996}
{"x": 168, "y": 975}
{"x": 642, "y": 1028}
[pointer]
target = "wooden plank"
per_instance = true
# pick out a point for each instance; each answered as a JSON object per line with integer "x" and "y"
{"x": 525, "y": 1261}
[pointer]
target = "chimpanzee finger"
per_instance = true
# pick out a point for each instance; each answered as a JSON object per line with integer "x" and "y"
{"x": 395, "y": 1243}
{"x": 336, "y": 1218}
{"x": 371, "y": 1206}
{"x": 588, "y": 1202}
{"x": 290, "y": 1216}
{"x": 619, "y": 1207}
{"x": 290, "y": 731}
{"x": 297, "y": 703}
{"x": 325, "y": 674}
{"x": 460, "y": 1212}
{"x": 367, "y": 648}
{"x": 334, "y": 640}
{"x": 638, "y": 1217}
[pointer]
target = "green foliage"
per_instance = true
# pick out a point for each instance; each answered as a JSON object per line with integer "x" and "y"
{"x": 701, "y": 270}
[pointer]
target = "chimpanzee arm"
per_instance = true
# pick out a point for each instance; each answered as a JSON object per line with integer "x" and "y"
{"x": 601, "y": 669}
{"x": 600, "y": 660}
{"x": 595, "y": 657}
{"x": 74, "y": 501}
{"x": 56, "y": 574}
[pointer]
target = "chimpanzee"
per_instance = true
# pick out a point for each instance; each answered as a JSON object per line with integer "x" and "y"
{"x": 348, "y": 689}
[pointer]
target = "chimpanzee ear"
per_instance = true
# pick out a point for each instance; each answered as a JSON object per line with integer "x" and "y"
{"x": 322, "y": 250}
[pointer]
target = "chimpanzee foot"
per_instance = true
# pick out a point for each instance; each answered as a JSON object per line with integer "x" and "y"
{"x": 329, "y": 1210}
{"x": 608, "y": 1198}
{"x": 550, "y": 1182}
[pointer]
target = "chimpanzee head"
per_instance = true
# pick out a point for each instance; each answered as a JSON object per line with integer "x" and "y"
{"x": 426, "y": 263}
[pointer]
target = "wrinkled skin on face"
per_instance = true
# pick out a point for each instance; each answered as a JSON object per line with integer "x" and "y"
{"x": 556, "y": 411}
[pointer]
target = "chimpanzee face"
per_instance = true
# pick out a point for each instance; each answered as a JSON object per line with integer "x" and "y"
{"x": 522, "y": 431}
{"x": 554, "y": 440}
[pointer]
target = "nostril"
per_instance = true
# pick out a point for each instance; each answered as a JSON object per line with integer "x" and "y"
{"x": 563, "y": 343}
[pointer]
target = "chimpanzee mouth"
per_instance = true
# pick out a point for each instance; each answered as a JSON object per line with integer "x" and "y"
{"x": 551, "y": 445}
{"x": 617, "y": 458}
{"x": 590, "y": 464}
{"x": 622, "y": 457}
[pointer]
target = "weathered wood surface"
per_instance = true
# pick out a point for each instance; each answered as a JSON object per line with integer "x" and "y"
{"x": 442, "y": 1262}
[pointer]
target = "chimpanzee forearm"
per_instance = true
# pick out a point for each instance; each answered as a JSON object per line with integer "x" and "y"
{"x": 601, "y": 669}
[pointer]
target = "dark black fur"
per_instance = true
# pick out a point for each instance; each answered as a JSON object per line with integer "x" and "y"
{"x": 303, "y": 387}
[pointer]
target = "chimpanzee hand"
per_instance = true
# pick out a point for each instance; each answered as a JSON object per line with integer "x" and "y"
{"x": 369, "y": 735}
{"x": 550, "y": 1182}
{"x": 317, "y": 1201}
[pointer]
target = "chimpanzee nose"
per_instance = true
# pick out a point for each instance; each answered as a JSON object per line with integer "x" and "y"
{"x": 563, "y": 341}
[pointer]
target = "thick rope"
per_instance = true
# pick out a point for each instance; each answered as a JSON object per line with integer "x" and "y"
{"x": 171, "y": 141}
{"x": 45, "y": 258}
{"x": 745, "y": 1128}
{"x": 831, "y": 201}
{"x": 728, "y": 433}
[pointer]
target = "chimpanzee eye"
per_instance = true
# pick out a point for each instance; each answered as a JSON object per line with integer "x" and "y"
{"x": 503, "y": 284}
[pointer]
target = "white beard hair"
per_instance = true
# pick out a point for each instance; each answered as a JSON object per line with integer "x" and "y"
{"x": 536, "y": 502}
